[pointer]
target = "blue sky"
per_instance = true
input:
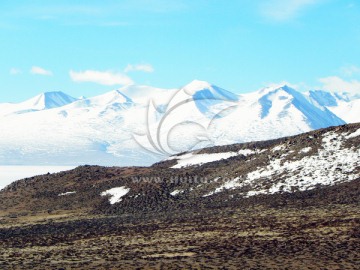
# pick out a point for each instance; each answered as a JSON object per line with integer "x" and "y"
{"x": 90, "y": 47}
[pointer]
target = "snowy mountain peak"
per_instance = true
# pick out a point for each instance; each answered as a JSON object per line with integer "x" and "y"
{"x": 49, "y": 100}
{"x": 285, "y": 101}
{"x": 272, "y": 88}
{"x": 201, "y": 90}
{"x": 43, "y": 101}
{"x": 196, "y": 85}
{"x": 118, "y": 96}
{"x": 143, "y": 94}
{"x": 115, "y": 96}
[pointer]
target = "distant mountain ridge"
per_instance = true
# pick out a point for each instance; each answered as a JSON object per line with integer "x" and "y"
{"x": 140, "y": 125}
{"x": 43, "y": 101}
{"x": 344, "y": 105}
{"x": 317, "y": 117}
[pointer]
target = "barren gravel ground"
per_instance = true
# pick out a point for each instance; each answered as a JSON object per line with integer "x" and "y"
{"x": 228, "y": 238}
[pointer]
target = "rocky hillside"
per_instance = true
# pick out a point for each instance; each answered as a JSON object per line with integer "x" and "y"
{"x": 302, "y": 164}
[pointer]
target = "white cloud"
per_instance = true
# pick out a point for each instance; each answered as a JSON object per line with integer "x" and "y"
{"x": 337, "y": 84}
{"x": 139, "y": 67}
{"x": 14, "y": 71}
{"x": 350, "y": 70}
{"x": 100, "y": 77}
{"x": 40, "y": 71}
{"x": 282, "y": 10}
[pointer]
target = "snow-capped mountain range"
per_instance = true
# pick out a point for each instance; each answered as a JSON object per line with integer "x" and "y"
{"x": 140, "y": 125}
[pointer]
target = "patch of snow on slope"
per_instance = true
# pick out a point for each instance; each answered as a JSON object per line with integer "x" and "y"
{"x": 116, "y": 194}
{"x": 67, "y": 193}
{"x": 279, "y": 148}
{"x": 331, "y": 165}
{"x": 246, "y": 152}
{"x": 305, "y": 150}
{"x": 354, "y": 134}
{"x": 230, "y": 184}
{"x": 198, "y": 159}
{"x": 191, "y": 159}
{"x": 176, "y": 192}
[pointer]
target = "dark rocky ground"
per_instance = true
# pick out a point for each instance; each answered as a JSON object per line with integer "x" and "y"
{"x": 313, "y": 229}
{"x": 255, "y": 236}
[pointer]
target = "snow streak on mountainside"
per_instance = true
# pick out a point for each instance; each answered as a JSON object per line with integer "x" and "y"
{"x": 139, "y": 125}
